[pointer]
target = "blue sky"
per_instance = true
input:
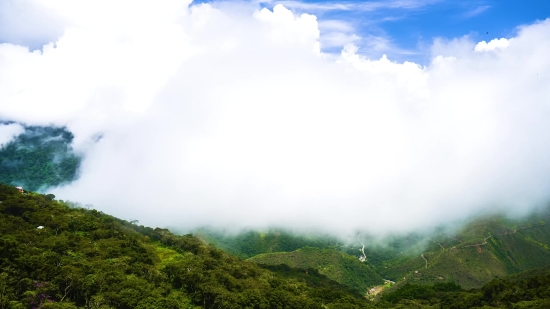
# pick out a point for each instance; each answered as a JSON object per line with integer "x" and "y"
{"x": 404, "y": 29}
{"x": 401, "y": 29}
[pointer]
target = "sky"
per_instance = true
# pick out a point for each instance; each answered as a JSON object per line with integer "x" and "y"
{"x": 402, "y": 29}
{"x": 373, "y": 116}
{"x": 405, "y": 29}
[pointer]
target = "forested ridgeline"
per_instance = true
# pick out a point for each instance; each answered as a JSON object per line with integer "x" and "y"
{"x": 249, "y": 243}
{"x": 55, "y": 256}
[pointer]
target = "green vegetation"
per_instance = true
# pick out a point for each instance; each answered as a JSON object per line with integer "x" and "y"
{"x": 250, "y": 243}
{"x": 338, "y": 266}
{"x": 40, "y": 157}
{"x": 55, "y": 256}
{"x": 485, "y": 249}
{"x": 528, "y": 290}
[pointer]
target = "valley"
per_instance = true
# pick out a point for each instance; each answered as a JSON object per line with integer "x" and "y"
{"x": 483, "y": 249}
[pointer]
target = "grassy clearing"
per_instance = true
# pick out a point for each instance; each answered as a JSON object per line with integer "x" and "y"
{"x": 167, "y": 256}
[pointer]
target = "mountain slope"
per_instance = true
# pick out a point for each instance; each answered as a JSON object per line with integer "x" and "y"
{"x": 336, "y": 265}
{"x": 484, "y": 249}
{"x": 526, "y": 290}
{"x": 55, "y": 256}
{"x": 249, "y": 243}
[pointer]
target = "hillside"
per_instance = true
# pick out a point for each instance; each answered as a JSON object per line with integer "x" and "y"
{"x": 484, "y": 249}
{"x": 55, "y": 256}
{"x": 526, "y": 290}
{"x": 247, "y": 244}
{"x": 336, "y": 265}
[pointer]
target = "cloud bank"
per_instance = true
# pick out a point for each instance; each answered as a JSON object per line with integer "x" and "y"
{"x": 228, "y": 115}
{"x": 9, "y": 131}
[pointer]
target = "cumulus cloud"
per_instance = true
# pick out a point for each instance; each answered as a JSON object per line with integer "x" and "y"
{"x": 492, "y": 45}
{"x": 9, "y": 131}
{"x": 29, "y": 22}
{"x": 233, "y": 116}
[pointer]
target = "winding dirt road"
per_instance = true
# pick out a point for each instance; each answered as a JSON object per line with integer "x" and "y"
{"x": 422, "y": 255}
{"x": 485, "y": 239}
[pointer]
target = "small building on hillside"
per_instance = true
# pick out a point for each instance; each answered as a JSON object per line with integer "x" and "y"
{"x": 20, "y": 189}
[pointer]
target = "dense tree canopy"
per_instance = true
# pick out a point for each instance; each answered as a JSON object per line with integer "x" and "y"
{"x": 55, "y": 256}
{"x": 40, "y": 157}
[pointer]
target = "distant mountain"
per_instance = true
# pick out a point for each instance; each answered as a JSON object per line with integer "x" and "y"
{"x": 40, "y": 157}
{"x": 249, "y": 243}
{"x": 486, "y": 248}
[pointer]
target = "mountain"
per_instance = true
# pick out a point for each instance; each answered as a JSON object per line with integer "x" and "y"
{"x": 485, "y": 248}
{"x": 249, "y": 243}
{"x": 338, "y": 266}
{"x": 529, "y": 289}
{"x": 38, "y": 158}
{"x": 56, "y": 256}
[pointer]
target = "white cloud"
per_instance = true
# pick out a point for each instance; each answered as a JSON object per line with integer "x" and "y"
{"x": 9, "y": 131}
{"x": 492, "y": 45}
{"x": 477, "y": 11}
{"x": 336, "y": 34}
{"x": 338, "y": 39}
{"x": 335, "y": 25}
{"x": 457, "y": 47}
{"x": 222, "y": 116}
{"x": 29, "y": 22}
{"x": 366, "y": 6}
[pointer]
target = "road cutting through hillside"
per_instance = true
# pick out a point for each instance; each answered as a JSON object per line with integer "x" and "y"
{"x": 362, "y": 258}
{"x": 485, "y": 239}
{"x": 422, "y": 255}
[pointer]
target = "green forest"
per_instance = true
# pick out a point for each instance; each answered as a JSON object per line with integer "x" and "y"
{"x": 41, "y": 157}
{"x": 53, "y": 255}
{"x": 483, "y": 249}
{"x": 338, "y": 266}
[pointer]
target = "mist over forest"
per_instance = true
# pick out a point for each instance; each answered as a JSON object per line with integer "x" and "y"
{"x": 274, "y": 154}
